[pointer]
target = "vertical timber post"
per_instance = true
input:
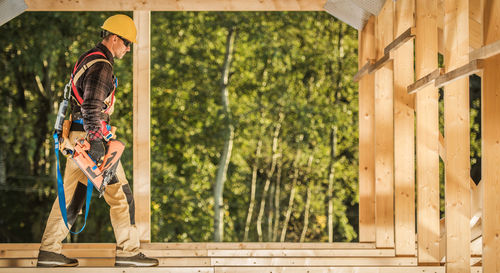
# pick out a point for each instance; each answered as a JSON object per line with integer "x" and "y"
{"x": 490, "y": 116}
{"x": 141, "y": 123}
{"x": 384, "y": 133}
{"x": 404, "y": 135}
{"x": 427, "y": 108}
{"x": 367, "y": 135}
{"x": 457, "y": 138}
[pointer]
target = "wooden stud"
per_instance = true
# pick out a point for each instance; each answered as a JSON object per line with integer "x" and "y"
{"x": 176, "y": 5}
{"x": 457, "y": 136}
{"x": 367, "y": 136}
{"x": 476, "y": 23}
{"x": 404, "y": 134}
{"x": 384, "y": 133}
{"x": 142, "y": 145}
{"x": 426, "y": 52}
{"x": 490, "y": 138}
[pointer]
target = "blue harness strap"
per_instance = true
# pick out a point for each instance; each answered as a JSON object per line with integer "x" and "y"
{"x": 60, "y": 191}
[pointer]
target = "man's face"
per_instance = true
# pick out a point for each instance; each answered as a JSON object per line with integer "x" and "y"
{"x": 121, "y": 47}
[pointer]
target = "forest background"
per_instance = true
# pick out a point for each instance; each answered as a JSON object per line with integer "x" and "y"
{"x": 262, "y": 100}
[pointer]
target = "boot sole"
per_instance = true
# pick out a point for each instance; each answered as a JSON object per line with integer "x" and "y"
{"x": 55, "y": 264}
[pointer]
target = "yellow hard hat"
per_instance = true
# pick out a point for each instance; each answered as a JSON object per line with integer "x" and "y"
{"x": 121, "y": 25}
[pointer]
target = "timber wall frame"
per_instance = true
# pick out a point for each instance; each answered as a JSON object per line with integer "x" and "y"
{"x": 398, "y": 117}
{"x": 458, "y": 30}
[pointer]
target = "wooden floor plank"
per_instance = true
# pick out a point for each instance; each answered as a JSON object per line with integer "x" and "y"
{"x": 407, "y": 269}
{"x": 419, "y": 269}
{"x": 346, "y": 261}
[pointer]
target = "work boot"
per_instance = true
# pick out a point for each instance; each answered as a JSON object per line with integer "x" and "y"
{"x": 51, "y": 259}
{"x": 137, "y": 260}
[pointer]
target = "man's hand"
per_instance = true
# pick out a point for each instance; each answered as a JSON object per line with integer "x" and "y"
{"x": 97, "y": 150}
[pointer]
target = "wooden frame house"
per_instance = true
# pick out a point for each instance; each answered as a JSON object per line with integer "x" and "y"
{"x": 400, "y": 229}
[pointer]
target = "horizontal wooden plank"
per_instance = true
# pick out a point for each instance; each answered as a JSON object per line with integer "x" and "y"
{"x": 346, "y": 261}
{"x": 31, "y": 262}
{"x": 406, "y": 269}
{"x": 113, "y": 270}
{"x": 485, "y": 52}
{"x": 304, "y": 253}
{"x": 65, "y": 246}
{"x": 464, "y": 71}
{"x": 243, "y": 261}
{"x": 206, "y": 246}
{"x": 425, "y": 81}
{"x": 209, "y": 246}
{"x": 372, "y": 66}
{"x": 176, "y": 5}
{"x": 363, "y": 71}
{"x": 400, "y": 40}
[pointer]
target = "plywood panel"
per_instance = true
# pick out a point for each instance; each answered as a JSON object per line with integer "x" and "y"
{"x": 427, "y": 125}
{"x": 176, "y": 5}
{"x": 404, "y": 135}
{"x": 456, "y": 134}
{"x": 384, "y": 133}
{"x": 142, "y": 145}
{"x": 490, "y": 116}
{"x": 367, "y": 136}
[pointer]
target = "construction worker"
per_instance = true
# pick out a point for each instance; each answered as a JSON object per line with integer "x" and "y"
{"x": 91, "y": 104}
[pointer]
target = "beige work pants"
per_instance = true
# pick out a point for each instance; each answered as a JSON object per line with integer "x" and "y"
{"x": 118, "y": 196}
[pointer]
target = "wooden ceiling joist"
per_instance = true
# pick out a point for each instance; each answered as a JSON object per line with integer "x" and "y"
{"x": 176, "y": 5}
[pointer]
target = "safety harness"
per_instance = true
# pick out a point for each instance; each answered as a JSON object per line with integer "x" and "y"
{"x": 105, "y": 129}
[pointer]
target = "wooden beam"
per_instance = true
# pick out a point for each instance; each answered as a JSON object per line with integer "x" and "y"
{"x": 176, "y": 5}
{"x": 373, "y": 65}
{"x": 486, "y": 51}
{"x": 384, "y": 133}
{"x": 425, "y": 81}
{"x": 457, "y": 137}
{"x": 490, "y": 139}
{"x": 404, "y": 35}
{"x": 199, "y": 246}
{"x": 141, "y": 122}
{"x": 426, "y": 51}
{"x": 246, "y": 269}
{"x": 365, "y": 69}
{"x": 404, "y": 133}
{"x": 367, "y": 136}
{"x": 318, "y": 261}
{"x": 461, "y": 72}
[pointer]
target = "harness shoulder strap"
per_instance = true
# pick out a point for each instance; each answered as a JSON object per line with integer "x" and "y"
{"x": 75, "y": 76}
{"x": 86, "y": 66}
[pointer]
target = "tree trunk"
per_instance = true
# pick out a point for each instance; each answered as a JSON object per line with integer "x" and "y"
{"x": 228, "y": 143}
{"x": 292, "y": 195}
{"x": 252, "y": 191}
{"x": 277, "y": 200}
{"x": 3, "y": 166}
{"x": 268, "y": 177}
{"x": 308, "y": 202}
{"x": 270, "y": 211}
{"x": 331, "y": 176}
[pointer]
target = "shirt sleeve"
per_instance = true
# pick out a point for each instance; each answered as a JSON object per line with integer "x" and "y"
{"x": 96, "y": 87}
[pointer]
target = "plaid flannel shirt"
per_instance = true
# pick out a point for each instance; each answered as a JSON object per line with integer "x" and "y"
{"x": 94, "y": 86}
